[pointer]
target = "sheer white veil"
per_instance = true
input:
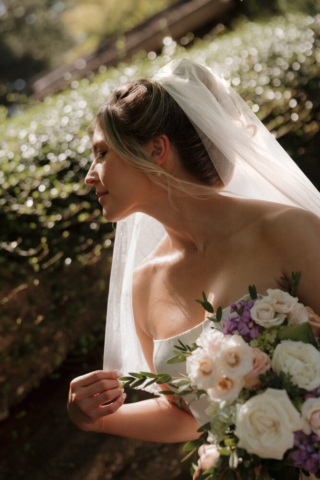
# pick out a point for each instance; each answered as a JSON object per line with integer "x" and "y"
{"x": 248, "y": 159}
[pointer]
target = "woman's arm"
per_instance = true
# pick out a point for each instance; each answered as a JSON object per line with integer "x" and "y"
{"x": 151, "y": 420}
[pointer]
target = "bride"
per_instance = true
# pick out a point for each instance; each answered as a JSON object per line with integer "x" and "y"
{"x": 205, "y": 199}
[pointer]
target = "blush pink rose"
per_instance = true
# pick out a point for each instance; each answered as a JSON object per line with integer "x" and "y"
{"x": 311, "y": 416}
{"x": 261, "y": 363}
{"x": 314, "y": 321}
{"x": 208, "y": 454}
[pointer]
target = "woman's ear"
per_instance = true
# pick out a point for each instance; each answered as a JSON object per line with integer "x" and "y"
{"x": 159, "y": 148}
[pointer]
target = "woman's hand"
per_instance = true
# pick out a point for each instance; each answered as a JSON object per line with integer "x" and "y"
{"x": 87, "y": 395}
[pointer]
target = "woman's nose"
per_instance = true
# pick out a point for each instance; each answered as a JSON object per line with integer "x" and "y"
{"x": 91, "y": 177}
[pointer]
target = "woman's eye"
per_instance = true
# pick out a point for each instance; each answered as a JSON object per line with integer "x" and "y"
{"x": 101, "y": 154}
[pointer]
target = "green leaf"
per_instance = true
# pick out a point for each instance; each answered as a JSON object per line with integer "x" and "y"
{"x": 166, "y": 392}
{"x": 205, "y": 304}
{"x": 224, "y": 451}
{"x": 182, "y": 345}
{"x": 138, "y": 382}
{"x": 149, "y": 374}
{"x": 183, "y": 382}
{"x": 219, "y": 315}
{"x": 177, "y": 359}
{"x": 298, "y": 333}
{"x": 136, "y": 375}
{"x": 180, "y": 348}
{"x": 125, "y": 385}
{"x": 253, "y": 292}
{"x": 191, "y": 445}
{"x": 295, "y": 282}
{"x": 164, "y": 378}
{"x": 231, "y": 442}
{"x": 124, "y": 379}
{"x": 179, "y": 403}
{"x": 151, "y": 382}
{"x": 189, "y": 455}
{"x": 205, "y": 428}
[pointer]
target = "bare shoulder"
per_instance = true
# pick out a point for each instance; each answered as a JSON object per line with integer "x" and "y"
{"x": 294, "y": 234}
{"x": 292, "y": 228}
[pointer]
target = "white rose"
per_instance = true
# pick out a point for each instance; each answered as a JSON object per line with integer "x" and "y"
{"x": 301, "y": 360}
{"x": 235, "y": 356}
{"x": 226, "y": 389}
{"x": 264, "y": 313}
{"x": 210, "y": 339}
{"x": 283, "y": 302}
{"x": 202, "y": 369}
{"x": 265, "y": 424}
{"x": 311, "y": 416}
{"x": 298, "y": 314}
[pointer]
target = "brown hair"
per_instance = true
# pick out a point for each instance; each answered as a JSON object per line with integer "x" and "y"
{"x": 140, "y": 110}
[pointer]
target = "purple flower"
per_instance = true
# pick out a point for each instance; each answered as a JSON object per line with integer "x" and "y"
{"x": 254, "y": 332}
{"x": 306, "y": 454}
{"x": 243, "y": 329}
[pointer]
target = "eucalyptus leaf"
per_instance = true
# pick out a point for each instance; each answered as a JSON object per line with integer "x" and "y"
{"x": 164, "y": 378}
{"x": 151, "y": 382}
{"x": 136, "y": 375}
{"x": 140, "y": 381}
{"x": 219, "y": 314}
{"x": 177, "y": 359}
{"x": 224, "y": 451}
{"x": 189, "y": 455}
{"x": 191, "y": 445}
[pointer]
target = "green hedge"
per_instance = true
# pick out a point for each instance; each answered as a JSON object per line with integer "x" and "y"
{"x": 49, "y": 217}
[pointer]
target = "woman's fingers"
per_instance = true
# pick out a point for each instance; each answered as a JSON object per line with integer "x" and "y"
{"x": 104, "y": 397}
{"x": 104, "y": 410}
{"x": 89, "y": 392}
{"x": 96, "y": 388}
{"x": 93, "y": 377}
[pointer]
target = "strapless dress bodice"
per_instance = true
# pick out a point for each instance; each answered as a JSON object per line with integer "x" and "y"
{"x": 163, "y": 350}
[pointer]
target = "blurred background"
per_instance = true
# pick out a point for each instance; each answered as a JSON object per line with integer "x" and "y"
{"x": 59, "y": 62}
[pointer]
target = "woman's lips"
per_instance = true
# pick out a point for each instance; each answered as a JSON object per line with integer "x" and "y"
{"x": 103, "y": 195}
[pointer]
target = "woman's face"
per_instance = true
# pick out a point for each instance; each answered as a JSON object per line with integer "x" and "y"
{"x": 124, "y": 189}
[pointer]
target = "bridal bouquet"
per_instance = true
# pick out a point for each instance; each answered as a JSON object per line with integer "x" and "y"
{"x": 259, "y": 367}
